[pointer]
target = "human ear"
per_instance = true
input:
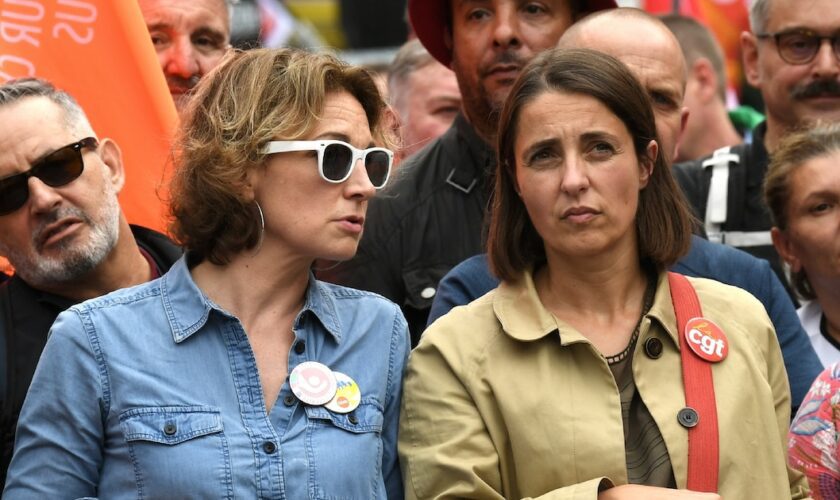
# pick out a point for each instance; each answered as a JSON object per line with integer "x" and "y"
{"x": 111, "y": 156}
{"x": 784, "y": 245}
{"x": 647, "y": 163}
{"x": 749, "y": 52}
{"x": 706, "y": 78}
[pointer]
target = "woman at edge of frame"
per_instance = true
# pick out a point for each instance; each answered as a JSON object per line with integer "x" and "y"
{"x": 802, "y": 190}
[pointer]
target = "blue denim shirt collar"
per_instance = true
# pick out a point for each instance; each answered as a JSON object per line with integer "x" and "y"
{"x": 187, "y": 307}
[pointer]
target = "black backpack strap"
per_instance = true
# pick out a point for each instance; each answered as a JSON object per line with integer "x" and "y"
{"x": 737, "y": 188}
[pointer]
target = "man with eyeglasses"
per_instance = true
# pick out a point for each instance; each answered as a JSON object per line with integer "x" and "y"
{"x": 62, "y": 229}
{"x": 793, "y": 56}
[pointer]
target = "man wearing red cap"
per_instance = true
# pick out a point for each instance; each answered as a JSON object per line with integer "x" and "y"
{"x": 431, "y": 216}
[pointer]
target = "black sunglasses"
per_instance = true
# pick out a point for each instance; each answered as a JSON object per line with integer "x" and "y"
{"x": 800, "y": 46}
{"x": 58, "y": 168}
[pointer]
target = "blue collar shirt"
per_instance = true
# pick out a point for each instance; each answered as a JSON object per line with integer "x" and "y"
{"x": 153, "y": 392}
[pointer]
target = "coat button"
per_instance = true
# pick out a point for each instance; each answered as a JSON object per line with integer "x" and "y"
{"x": 688, "y": 417}
{"x": 353, "y": 419}
{"x": 428, "y": 292}
{"x": 289, "y": 400}
{"x": 300, "y": 347}
{"x": 653, "y": 348}
{"x": 170, "y": 429}
{"x": 269, "y": 447}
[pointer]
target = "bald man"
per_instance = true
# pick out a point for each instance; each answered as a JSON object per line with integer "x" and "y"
{"x": 652, "y": 53}
{"x": 190, "y": 37}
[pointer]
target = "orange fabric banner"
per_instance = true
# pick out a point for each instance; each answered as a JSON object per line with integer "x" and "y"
{"x": 100, "y": 52}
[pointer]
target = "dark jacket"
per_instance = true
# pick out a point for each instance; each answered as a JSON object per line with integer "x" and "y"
{"x": 26, "y": 315}
{"x": 746, "y": 210}
{"x": 427, "y": 220}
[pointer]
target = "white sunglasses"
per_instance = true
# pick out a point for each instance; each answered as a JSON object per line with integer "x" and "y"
{"x": 336, "y": 159}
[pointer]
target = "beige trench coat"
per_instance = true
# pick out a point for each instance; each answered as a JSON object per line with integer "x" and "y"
{"x": 502, "y": 400}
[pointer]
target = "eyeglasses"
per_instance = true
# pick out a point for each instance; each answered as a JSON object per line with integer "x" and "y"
{"x": 336, "y": 159}
{"x": 800, "y": 46}
{"x": 56, "y": 169}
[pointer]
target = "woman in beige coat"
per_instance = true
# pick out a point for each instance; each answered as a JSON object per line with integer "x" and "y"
{"x": 566, "y": 381}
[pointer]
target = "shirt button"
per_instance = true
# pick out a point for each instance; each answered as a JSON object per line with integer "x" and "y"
{"x": 427, "y": 293}
{"x": 353, "y": 419}
{"x": 289, "y": 400}
{"x": 300, "y": 347}
{"x": 170, "y": 429}
{"x": 653, "y": 348}
{"x": 688, "y": 417}
{"x": 269, "y": 447}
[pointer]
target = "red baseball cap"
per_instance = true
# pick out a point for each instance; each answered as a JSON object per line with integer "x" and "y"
{"x": 429, "y": 19}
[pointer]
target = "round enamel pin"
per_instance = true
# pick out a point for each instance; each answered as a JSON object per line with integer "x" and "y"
{"x": 706, "y": 339}
{"x": 313, "y": 383}
{"x": 347, "y": 396}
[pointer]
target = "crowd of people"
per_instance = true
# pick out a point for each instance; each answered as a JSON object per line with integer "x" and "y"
{"x": 542, "y": 261}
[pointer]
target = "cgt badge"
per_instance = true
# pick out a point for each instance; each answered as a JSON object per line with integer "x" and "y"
{"x": 706, "y": 339}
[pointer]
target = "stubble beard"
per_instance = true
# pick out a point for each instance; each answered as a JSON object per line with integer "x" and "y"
{"x": 73, "y": 259}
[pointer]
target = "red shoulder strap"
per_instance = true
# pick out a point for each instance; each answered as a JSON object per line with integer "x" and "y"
{"x": 703, "y": 453}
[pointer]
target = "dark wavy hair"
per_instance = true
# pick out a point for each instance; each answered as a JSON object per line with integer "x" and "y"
{"x": 663, "y": 219}
{"x": 251, "y": 98}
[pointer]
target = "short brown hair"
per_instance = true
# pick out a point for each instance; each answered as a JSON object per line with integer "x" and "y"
{"x": 795, "y": 150}
{"x": 663, "y": 219}
{"x": 251, "y": 98}
{"x": 698, "y": 41}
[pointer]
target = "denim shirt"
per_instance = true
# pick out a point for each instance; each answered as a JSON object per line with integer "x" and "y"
{"x": 153, "y": 392}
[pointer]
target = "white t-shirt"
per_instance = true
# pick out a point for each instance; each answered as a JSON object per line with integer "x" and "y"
{"x": 810, "y": 314}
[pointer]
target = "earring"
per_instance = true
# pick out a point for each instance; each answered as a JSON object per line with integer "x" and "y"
{"x": 262, "y": 229}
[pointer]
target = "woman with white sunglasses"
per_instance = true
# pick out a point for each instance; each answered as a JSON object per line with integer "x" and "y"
{"x": 237, "y": 374}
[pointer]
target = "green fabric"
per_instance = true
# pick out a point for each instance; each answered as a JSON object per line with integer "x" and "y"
{"x": 745, "y": 118}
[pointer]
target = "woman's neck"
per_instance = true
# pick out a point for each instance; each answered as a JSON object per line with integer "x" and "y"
{"x": 600, "y": 298}
{"x": 597, "y": 284}
{"x": 254, "y": 285}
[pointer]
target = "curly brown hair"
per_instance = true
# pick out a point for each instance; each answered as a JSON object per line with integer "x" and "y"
{"x": 251, "y": 98}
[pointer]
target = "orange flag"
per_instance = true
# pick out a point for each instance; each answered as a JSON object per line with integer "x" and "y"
{"x": 100, "y": 52}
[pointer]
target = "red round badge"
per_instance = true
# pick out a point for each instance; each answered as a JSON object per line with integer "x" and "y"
{"x": 706, "y": 339}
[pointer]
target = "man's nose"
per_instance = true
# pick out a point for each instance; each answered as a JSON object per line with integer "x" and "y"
{"x": 506, "y": 28}
{"x": 42, "y": 198}
{"x": 826, "y": 63}
{"x": 181, "y": 59}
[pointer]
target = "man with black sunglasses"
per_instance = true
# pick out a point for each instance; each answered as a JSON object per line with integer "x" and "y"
{"x": 792, "y": 54}
{"x": 61, "y": 227}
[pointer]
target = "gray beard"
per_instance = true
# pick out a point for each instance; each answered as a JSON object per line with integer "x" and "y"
{"x": 74, "y": 259}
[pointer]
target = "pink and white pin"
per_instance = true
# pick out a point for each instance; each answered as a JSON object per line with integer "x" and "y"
{"x": 313, "y": 383}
